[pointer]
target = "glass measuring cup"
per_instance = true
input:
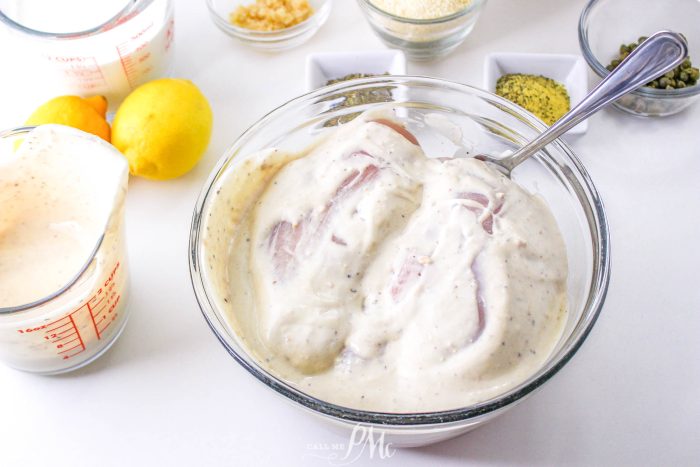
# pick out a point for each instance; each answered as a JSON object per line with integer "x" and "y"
{"x": 120, "y": 44}
{"x": 72, "y": 326}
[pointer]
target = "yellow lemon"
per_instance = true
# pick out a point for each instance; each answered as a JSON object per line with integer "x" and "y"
{"x": 84, "y": 114}
{"x": 163, "y": 128}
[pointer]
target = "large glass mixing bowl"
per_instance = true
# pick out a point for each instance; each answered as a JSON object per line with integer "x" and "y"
{"x": 447, "y": 118}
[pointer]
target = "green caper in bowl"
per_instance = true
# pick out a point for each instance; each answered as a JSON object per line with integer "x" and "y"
{"x": 605, "y": 24}
{"x": 680, "y": 77}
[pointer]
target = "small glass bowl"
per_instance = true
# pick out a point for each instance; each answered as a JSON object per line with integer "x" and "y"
{"x": 271, "y": 41}
{"x": 606, "y": 24}
{"x": 423, "y": 39}
{"x": 488, "y": 124}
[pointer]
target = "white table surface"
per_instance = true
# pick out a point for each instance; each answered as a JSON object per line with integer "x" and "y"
{"x": 169, "y": 394}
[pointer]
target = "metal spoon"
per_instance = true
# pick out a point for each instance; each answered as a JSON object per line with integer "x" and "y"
{"x": 655, "y": 56}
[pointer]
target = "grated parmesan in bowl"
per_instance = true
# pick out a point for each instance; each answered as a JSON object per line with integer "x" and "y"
{"x": 424, "y": 29}
{"x": 421, "y": 9}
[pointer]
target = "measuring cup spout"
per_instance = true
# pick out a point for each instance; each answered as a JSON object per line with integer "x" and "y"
{"x": 63, "y": 268}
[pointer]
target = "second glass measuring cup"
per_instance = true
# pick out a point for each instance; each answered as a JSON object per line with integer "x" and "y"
{"x": 63, "y": 271}
{"x": 88, "y": 47}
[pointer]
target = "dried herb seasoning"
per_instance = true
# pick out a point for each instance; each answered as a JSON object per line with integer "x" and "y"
{"x": 542, "y": 96}
{"x": 358, "y": 97}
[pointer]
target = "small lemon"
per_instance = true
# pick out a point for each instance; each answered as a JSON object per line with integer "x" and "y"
{"x": 84, "y": 114}
{"x": 163, "y": 128}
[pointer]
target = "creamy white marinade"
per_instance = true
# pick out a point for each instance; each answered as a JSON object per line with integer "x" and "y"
{"x": 56, "y": 194}
{"x": 374, "y": 277}
{"x": 61, "y": 191}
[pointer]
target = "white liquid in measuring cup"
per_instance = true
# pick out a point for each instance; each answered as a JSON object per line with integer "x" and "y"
{"x": 61, "y": 191}
{"x": 135, "y": 48}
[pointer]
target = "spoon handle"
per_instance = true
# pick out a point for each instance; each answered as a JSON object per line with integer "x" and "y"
{"x": 657, "y": 55}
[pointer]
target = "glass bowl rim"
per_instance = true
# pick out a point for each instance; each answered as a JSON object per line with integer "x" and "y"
{"x": 602, "y": 72}
{"x": 300, "y": 28}
{"x": 591, "y": 312}
{"x": 475, "y": 4}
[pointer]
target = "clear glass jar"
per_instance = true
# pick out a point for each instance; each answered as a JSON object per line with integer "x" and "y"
{"x": 488, "y": 124}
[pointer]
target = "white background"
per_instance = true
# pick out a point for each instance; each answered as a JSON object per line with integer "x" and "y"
{"x": 168, "y": 393}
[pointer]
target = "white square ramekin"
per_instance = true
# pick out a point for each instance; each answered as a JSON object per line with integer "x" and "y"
{"x": 570, "y": 70}
{"x": 323, "y": 67}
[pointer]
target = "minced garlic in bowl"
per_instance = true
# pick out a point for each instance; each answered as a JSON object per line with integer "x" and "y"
{"x": 271, "y": 15}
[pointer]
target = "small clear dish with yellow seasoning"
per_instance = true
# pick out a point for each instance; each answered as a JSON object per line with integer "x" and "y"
{"x": 257, "y": 24}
